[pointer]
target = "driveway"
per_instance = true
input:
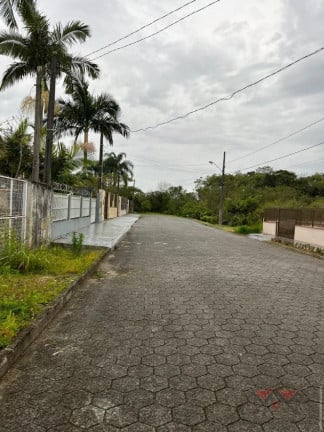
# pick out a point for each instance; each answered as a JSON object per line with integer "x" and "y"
{"x": 184, "y": 328}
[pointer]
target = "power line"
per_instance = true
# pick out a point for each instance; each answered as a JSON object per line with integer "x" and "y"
{"x": 141, "y": 28}
{"x": 284, "y": 156}
{"x": 279, "y": 140}
{"x": 227, "y": 98}
{"x": 157, "y": 32}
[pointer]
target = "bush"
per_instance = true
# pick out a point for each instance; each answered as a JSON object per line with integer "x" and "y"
{"x": 209, "y": 219}
{"x": 249, "y": 229}
{"x": 195, "y": 209}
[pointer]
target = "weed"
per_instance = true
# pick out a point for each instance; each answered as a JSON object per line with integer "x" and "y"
{"x": 248, "y": 229}
{"x": 77, "y": 243}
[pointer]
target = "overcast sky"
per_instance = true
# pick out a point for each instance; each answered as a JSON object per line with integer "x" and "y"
{"x": 203, "y": 58}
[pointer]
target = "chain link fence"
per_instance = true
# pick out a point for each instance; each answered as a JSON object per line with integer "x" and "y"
{"x": 13, "y": 202}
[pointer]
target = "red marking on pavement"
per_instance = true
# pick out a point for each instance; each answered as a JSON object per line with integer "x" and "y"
{"x": 263, "y": 394}
{"x": 287, "y": 394}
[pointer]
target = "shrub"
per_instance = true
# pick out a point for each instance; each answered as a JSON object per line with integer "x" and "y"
{"x": 77, "y": 243}
{"x": 249, "y": 229}
{"x": 209, "y": 219}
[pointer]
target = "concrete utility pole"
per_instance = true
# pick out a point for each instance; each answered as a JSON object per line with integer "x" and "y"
{"x": 222, "y": 193}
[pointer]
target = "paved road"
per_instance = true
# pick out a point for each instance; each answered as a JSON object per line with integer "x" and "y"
{"x": 190, "y": 329}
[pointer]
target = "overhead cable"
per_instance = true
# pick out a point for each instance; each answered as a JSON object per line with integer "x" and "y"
{"x": 278, "y": 140}
{"x": 284, "y": 156}
{"x": 227, "y": 98}
{"x": 142, "y": 28}
{"x": 157, "y": 32}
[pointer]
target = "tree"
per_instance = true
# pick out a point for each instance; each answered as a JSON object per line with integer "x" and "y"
{"x": 15, "y": 151}
{"x": 35, "y": 49}
{"x": 83, "y": 112}
{"x": 119, "y": 167}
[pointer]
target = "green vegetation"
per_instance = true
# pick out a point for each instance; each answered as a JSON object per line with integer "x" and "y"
{"x": 32, "y": 279}
{"x": 246, "y": 197}
{"x": 77, "y": 243}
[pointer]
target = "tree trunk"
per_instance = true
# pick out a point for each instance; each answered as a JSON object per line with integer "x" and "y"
{"x": 38, "y": 125}
{"x": 100, "y": 180}
{"x": 85, "y": 148}
{"x": 50, "y": 124}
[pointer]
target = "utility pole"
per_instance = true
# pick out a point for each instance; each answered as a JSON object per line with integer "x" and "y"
{"x": 222, "y": 193}
{"x": 50, "y": 123}
{"x": 133, "y": 198}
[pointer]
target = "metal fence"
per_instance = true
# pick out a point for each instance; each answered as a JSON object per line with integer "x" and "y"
{"x": 13, "y": 206}
{"x": 302, "y": 217}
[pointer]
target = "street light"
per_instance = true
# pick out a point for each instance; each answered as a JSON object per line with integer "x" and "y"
{"x": 221, "y": 200}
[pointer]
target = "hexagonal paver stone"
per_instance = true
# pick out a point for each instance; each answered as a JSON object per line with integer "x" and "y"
{"x": 208, "y": 426}
{"x": 211, "y": 350}
{"x": 188, "y": 350}
{"x": 165, "y": 350}
{"x": 246, "y": 370}
{"x": 125, "y": 384}
{"x": 128, "y": 360}
{"x": 155, "y": 415}
{"x": 198, "y": 342}
{"x": 227, "y": 359}
{"x": 167, "y": 370}
{"x": 154, "y": 383}
{"x": 221, "y": 413}
{"x": 178, "y": 359}
{"x": 200, "y": 397}
{"x": 203, "y": 359}
{"x": 107, "y": 399}
{"x": 220, "y": 370}
{"x": 296, "y": 369}
{"x": 114, "y": 371}
{"x": 51, "y": 417}
{"x": 272, "y": 370}
{"x": 194, "y": 370}
{"x": 121, "y": 416}
{"x": 87, "y": 416}
{"x": 170, "y": 397}
{"x": 139, "y": 427}
{"x": 230, "y": 396}
{"x": 211, "y": 382}
{"x": 76, "y": 399}
{"x": 173, "y": 427}
{"x": 153, "y": 360}
{"x": 279, "y": 426}
{"x": 188, "y": 414}
{"x": 139, "y": 398}
{"x": 183, "y": 382}
{"x": 257, "y": 349}
{"x": 140, "y": 371}
{"x": 244, "y": 426}
{"x": 255, "y": 413}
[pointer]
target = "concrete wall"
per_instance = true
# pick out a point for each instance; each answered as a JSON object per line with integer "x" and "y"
{"x": 112, "y": 212}
{"x": 269, "y": 228}
{"x": 312, "y": 236}
{"x": 38, "y": 214}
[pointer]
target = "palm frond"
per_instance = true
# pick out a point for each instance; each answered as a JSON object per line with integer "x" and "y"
{"x": 74, "y": 31}
{"x": 15, "y": 72}
{"x": 83, "y": 66}
{"x": 13, "y": 44}
{"x": 7, "y": 13}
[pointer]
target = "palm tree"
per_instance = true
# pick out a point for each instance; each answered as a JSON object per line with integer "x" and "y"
{"x": 119, "y": 167}
{"x": 83, "y": 112}
{"x": 35, "y": 50}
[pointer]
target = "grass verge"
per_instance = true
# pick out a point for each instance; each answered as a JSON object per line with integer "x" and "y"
{"x": 23, "y": 295}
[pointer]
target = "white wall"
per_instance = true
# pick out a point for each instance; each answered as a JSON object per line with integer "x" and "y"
{"x": 312, "y": 236}
{"x": 269, "y": 228}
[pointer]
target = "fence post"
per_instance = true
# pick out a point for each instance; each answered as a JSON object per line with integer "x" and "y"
{"x": 11, "y": 203}
{"x": 69, "y": 207}
{"x": 313, "y": 218}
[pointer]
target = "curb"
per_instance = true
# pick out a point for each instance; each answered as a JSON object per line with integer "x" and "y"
{"x": 11, "y": 354}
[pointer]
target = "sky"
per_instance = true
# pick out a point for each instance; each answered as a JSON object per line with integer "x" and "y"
{"x": 203, "y": 58}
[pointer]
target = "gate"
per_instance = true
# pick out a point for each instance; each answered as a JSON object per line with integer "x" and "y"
{"x": 13, "y": 207}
